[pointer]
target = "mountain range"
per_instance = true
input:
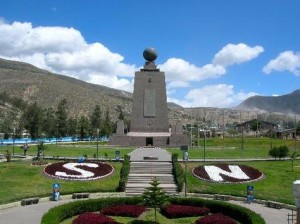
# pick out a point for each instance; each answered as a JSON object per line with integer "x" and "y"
{"x": 287, "y": 104}
{"x": 32, "y": 84}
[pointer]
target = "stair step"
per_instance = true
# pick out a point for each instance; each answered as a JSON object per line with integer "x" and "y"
{"x": 142, "y": 172}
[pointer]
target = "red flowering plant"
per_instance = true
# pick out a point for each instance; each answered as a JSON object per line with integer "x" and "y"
{"x": 177, "y": 211}
{"x": 217, "y": 218}
{"x": 124, "y": 210}
{"x": 93, "y": 218}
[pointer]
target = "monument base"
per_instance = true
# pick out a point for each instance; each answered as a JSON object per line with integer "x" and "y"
{"x": 149, "y": 139}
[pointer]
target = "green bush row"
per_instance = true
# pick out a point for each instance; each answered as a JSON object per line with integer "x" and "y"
{"x": 124, "y": 173}
{"x": 241, "y": 214}
{"x": 60, "y": 213}
{"x": 177, "y": 172}
{"x": 279, "y": 152}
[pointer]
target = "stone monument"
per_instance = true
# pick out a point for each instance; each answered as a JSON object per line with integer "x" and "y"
{"x": 149, "y": 118}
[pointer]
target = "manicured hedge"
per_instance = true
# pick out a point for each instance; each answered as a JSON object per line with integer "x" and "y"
{"x": 177, "y": 172}
{"x": 60, "y": 213}
{"x": 124, "y": 173}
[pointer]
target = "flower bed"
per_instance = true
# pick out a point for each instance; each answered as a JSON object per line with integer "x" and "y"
{"x": 93, "y": 218}
{"x": 177, "y": 211}
{"x": 78, "y": 171}
{"x": 124, "y": 210}
{"x": 62, "y": 212}
{"x": 227, "y": 173}
{"x": 216, "y": 219}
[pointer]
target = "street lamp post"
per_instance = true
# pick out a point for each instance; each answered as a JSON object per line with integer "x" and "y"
{"x": 197, "y": 135}
{"x": 242, "y": 137}
{"x": 185, "y": 158}
{"x": 97, "y": 142}
{"x": 191, "y": 131}
{"x": 204, "y": 143}
{"x": 14, "y": 133}
{"x": 295, "y": 137}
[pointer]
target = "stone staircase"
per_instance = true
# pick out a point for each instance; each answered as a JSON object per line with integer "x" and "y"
{"x": 142, "y": 171}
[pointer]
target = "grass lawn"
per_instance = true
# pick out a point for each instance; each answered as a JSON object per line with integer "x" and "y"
{"x": 71, "y": 150}
{"x": 215, "y": 148}
{"x": 276, "y": 184}
{"x": 21, "y": 180}
{"x": 231, "y": 148}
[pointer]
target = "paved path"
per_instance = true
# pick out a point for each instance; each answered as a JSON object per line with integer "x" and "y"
{"x": 271, "y": 215}
{"x": 32, "y": 214}
{"x": 139, "y": 154}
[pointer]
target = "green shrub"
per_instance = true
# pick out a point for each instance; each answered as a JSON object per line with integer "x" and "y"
{"x": 177, "y": 172}
{"x": 124, "y": 173}
{"x": 279, "y": 152}
{"x": 283, "y": 151}
{"x": 274, "y": 152}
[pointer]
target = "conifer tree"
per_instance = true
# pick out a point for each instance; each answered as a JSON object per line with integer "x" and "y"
{"x": 154, "y": 196}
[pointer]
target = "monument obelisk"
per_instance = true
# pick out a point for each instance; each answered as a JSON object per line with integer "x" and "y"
{"x": 149, "y": 124}
{"x": 149, "y": 119}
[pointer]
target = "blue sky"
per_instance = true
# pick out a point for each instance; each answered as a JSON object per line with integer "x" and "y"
{"x": 214, "y": 53}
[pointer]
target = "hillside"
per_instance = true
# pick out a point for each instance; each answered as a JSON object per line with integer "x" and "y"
{"x": 47, "y": 89}
{"x": 286, "y": 104}
{"x": 32, "y": 84}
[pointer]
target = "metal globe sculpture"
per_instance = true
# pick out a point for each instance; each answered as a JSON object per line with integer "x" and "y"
{"x": 150, "y": 54}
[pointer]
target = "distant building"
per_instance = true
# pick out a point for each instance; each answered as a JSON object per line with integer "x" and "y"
{"x": 259, "y": 125}
{"x": 286, "y": 133}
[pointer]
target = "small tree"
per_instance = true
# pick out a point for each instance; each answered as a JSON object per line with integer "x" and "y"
{"x": 280, "y": 152}
{"x": 154, "y": 196}
{"x": 274, "y": 152}
{"x": 283, "y": 151}
{"x": 293, "y": 156}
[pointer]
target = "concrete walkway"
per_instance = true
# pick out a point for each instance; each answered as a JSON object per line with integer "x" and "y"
{"x": 271, "y": 215}
{"x": 140, "y": 153}
{"x": 32, "y": 214}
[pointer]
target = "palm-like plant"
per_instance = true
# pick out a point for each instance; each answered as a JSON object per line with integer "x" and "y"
{"x": 293, "y": 156}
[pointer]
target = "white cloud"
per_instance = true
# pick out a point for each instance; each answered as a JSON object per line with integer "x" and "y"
{"x": 112, "y": 82}
{"x": 236, "y": 53}
{"x": 180, "y": 72}
{"x": 220, "y": 95}
{"x": 285, "y": 61}
{"x": 63, "y": 50}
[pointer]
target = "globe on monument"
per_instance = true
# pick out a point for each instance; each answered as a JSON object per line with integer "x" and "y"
{"x": 150, "y": 54}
